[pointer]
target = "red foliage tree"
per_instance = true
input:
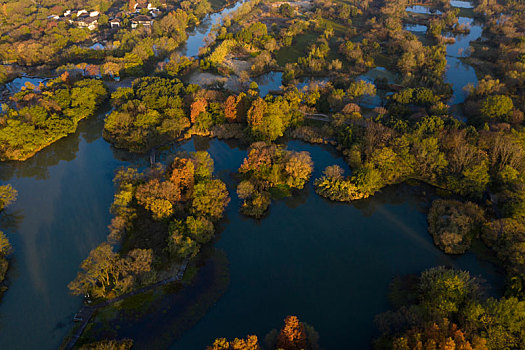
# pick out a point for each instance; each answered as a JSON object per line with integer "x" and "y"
{"x": 256, "y": 112}
{"x": 292, "y": 335}
{"x": 197, "y": 107}
{"x": 230, "y": 109}
{"x": 182, "y": 176}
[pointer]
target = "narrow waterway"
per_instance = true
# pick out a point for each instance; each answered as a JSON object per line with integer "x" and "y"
{"x": 460, "y": 74}
{"x": 197, "y": 35}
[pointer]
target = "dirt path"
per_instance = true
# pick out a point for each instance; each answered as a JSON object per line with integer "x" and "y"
{"x": 87, "y": 311}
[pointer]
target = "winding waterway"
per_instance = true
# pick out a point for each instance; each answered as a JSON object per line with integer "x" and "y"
{"x": 328, "y": 263}
{"x": 197, "y": 35}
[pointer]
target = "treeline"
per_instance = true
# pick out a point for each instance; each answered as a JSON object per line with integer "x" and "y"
{"x": 294, "y": 335}
{"x": 44, "y": 114}
{"x": 156, "y": 111}
{"x": 162, "y": 217}
{"x": 7, "y": 196}
{"x": 124, "y": 344}
{"x": 414, "y": 137}
{"x": 150, "y": 113}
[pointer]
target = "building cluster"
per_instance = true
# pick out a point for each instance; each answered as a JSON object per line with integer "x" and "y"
{"x": 141, "y": 13}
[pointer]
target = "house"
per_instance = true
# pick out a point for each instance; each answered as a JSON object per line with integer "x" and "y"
{"x": 154, "y": 13}
{"x": 141, "y": 20}
{"x": 114, "y": 23}
{"x": 94, "y": 14}
{"x": 81, "y": 12}
{"x": 67, "y": 13}
{"x": 90, "y": 23}
{"x": 139, "y": 8}
{"x": 53, "y": 17}
{"x": 97, "y": 46}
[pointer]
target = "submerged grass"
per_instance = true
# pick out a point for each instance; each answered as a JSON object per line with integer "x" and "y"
{"x": 164, "y": 314}
{"x": 280, "y": 191}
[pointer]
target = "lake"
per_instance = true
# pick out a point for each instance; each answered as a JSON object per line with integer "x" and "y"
{"x": 328, "y": 263}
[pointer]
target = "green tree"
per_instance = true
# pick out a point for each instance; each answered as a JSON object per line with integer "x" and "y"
{"x": 497, "y": 107}
{"x": 444, "y": 292}
{"x": 210, "y": 198}
{"x": 501, "y": 322}
{"x": 7, "y": 196}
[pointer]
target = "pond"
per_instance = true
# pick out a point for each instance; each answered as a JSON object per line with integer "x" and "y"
{"x": 272, "y": 81}
{"x": 416, "y": 28}
{"x": 370, "y": 77}
{"x": 328, "y": 263}
{"x": 423, "y": 10}
{"x": 461, "y": 4}
{"x": 16, "y": 85}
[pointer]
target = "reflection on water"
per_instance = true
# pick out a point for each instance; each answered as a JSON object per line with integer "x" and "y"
{"x": 61, "y": 214}
{"x": 370, "y": 77}
{"x": 17, "y": 84}
{"x": 458, "y": 73}
{"x": 320, "y": 260}
{"x": 460, "y": 47}
{"x": 328, "y": 263}
{"x": 273, "y": 81}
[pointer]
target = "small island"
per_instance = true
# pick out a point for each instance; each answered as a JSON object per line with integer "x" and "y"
{"x": 42, "y": 115}
{"x": 270, "y": 171}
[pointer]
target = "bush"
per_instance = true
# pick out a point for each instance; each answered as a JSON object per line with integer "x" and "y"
{"x": 454, "y": 224}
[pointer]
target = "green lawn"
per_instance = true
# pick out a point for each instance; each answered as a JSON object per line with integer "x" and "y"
{"x": 300, "y": 44}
